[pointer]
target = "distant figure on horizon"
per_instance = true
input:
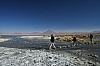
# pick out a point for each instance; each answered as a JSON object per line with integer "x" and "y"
{"x": 91, "y": 37}
{"x": 52, "y": 42}
{"x": 74, "y": 41}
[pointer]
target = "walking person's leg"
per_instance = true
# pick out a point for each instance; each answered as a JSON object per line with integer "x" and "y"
{"x": 50, "y": 46}
{"x": 54, "y": 46}
{"x": 74, "y": 43}
{"x": 91, "y": 41}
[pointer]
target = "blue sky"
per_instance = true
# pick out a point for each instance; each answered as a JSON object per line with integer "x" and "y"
{"x": 27, "y": 16}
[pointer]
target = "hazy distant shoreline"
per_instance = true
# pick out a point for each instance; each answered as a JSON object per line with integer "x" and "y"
{"x": 48, "y": 32}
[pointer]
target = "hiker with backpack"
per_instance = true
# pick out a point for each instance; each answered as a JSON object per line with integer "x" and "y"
{"x": 52, "y": 42}
{"x": 91, "y": 38}
{"x": 74, "y": 41}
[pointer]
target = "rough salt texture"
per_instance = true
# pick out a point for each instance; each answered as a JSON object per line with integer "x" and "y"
{"x": 24, "y": 57}
{"x": 3, "y": 39}
{"x": 28, "y": 52}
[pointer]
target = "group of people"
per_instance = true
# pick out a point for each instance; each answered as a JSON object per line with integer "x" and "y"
{"x": 90, "y": 37}
{"x": 74, "y": 40}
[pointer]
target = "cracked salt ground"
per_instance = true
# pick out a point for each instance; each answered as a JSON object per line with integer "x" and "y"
{"x": 24, "y": 57}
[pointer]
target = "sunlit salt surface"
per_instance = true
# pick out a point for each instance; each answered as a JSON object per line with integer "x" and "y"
{"x": 35, "y": 37}
{"x": 22, "y": 52}
{"x": 24, "y": 57}
{"x": 3, "y": 39}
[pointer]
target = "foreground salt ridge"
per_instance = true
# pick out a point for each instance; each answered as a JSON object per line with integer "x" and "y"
{"x": 38, "y": 37}
{"x": 3, "y": 39}
{"x": 25, "y": 57}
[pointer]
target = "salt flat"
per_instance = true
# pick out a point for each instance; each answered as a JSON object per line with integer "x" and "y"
{"x": 2, "y": 39}
{"x": 24, "y": 52}
{"x": 25, "y": 57}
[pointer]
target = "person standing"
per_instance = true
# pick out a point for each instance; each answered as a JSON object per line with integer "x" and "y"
{"x": 52, "y": 42}
{"x": 91, "y": 37}
{"x": 74, "y": 41}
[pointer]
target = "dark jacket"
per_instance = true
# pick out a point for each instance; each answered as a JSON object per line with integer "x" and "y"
{"x": 91, "y": 36}
{"x": 52, "y": 39}
{"x": 74, "y": 38}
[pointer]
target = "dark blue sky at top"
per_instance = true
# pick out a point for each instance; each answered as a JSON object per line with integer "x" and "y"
{"x": 40, "y": 15}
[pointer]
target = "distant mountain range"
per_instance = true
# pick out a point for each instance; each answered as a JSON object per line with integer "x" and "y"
{"x": 48, "y": 32}
{"x": 97, "y": 32}
{"x": 52, "y": 32}
{"x": 35, "y": 33}
{"x": 38, "y": 33}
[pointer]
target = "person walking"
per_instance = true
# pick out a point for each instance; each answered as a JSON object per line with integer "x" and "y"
{"x": 74, "y": 41}
{"x": 52, "y": 42}
{"x": 91, "y": 37}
